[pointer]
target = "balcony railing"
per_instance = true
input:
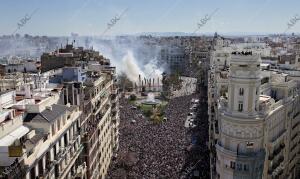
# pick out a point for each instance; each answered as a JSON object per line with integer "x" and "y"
{"x": 81, "y": 171}
{"x": 255, "y": 154}
{"x": 16, "y": 170}
{"x": 72, "y": 159}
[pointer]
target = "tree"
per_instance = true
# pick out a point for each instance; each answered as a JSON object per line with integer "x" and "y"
{"x": 166, "y": 86}
{"x": 156, "y": 116}
{"x": 169, "y": 82}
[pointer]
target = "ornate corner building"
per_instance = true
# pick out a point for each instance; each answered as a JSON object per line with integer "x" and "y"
{"x": 254, "y": 117}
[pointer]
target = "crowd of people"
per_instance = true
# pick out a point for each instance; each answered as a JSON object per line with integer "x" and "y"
{"x": 148, "y": 150}
{"x": 197, "y": 159}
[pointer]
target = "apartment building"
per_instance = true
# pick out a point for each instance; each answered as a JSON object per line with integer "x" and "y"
{"x": 254, "y": 118}
{"x": 100, "y": 122}
{"x": 68, "y": 119}
{"x": 175, "y": 58}
{"x": 183, "y": 54}
{"x": 39, "y": 136}
{"x": 289, "y": 61}
{"x": 14, "y": 81}
{"x": 90, "y": 83}
{"x": 23, "y": 67}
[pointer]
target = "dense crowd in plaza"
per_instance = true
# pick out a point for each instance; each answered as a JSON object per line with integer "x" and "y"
{"x": 148, "y": 150}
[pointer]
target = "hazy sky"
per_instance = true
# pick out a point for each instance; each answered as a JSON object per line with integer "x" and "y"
{"x": 90, "y": 17}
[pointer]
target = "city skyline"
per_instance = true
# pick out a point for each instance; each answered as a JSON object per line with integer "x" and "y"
{"x": 91, "y": 17}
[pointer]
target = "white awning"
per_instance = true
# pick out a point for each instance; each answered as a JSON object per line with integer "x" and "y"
{"x": 14, "y": 135}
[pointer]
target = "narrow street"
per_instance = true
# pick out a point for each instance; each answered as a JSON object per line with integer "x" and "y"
{"x": 197, "y": 157}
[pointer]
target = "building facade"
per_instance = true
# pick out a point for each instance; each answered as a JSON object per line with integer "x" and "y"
{"x": 64, "y": 121}
{"x": 254, "y": 123}
{"x": 39, "y": 136}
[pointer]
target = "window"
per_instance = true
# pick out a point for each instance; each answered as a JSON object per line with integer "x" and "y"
{"x": 241, "y": 91}
{"x": 232, "y": 164}
{"x": 240, "y": 106}
{"x": 239, "y": 166}
{"x": 246, "y": 167}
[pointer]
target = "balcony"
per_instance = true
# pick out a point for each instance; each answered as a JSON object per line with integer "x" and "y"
{"x": 258, "y": 155}
{"x": 295, "y": 125}
{"x": 294, "y": 136}
{"x": 276, "y": 170}
{"x": 71, "y": 160}
{"x": 74, "y": 139}
{"x": 15, "y": 170}
{"x": 49, "y": 168}
{"x": 108, "y": 84}
{"x": 296, "y": 114}
{"x": 94, "y": 80}
{"x": 293, "y": 146}
{"x": 101, "y": 106}
{"x": 81, "y": 171}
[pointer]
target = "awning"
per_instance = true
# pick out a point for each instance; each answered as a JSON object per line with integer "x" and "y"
{"x": 14, "y": 135}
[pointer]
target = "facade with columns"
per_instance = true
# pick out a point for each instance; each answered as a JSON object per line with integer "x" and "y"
{"x": 58, "y": 155}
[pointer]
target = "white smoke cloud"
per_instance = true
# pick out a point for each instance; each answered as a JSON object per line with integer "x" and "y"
{"x": 130, "y": 67}
{"x": 130, "y": 56}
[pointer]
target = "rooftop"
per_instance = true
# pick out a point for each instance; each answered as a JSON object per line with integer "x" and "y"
{"x": 49, "y": 115}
